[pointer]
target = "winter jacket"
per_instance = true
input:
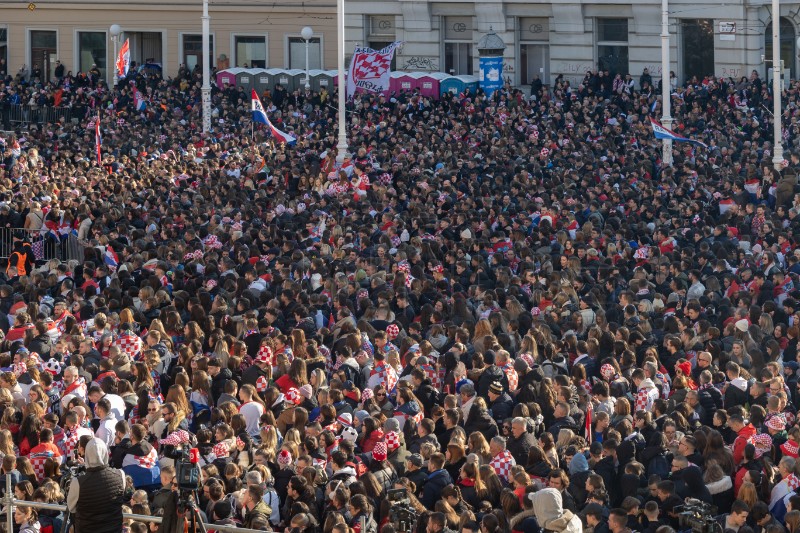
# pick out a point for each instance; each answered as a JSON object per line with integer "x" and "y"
{"x": 736, "y": 393}
{"x": 480, "y": 420}
{"x": 489, "y": 375}
{"x": 519, "y": 447}
{"x": 741, "y": 441}
{"x": 434, "y": 485}
{"x": 547, "y": 506}
{"x": 502, "y": 408}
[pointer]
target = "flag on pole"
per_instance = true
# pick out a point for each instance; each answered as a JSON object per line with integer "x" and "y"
{"x": 98, "y": 140}
{"x": 139, "y": 101}
{"x": 587, "y": 430}
{"x": 369, "y": 70}
{"x": 663, "y": 133}
{"x": 124, "y": 59}
{"x": 259, "y": 115}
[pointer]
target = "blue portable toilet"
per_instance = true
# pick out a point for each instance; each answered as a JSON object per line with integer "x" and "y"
{"x": 458, "y": 84}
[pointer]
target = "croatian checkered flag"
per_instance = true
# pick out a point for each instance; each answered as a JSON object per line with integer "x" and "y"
{"x": 143, "y": 461}
{"x": 369, "y": 70}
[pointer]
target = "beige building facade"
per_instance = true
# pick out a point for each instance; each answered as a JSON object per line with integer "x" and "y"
{"x": 165, "y": 33}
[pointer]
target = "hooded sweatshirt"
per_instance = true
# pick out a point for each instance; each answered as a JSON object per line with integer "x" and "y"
{"x": 647, "y": 394}
{"x": 551, "y": 516}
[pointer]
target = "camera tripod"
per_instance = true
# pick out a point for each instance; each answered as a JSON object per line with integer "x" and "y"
{"x": 189, "y": 513}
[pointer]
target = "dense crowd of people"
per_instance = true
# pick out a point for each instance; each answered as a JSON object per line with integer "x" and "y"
{"x": 507, "y": 307}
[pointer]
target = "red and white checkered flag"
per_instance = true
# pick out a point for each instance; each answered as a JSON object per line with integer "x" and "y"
{"x": 369, "y": 69}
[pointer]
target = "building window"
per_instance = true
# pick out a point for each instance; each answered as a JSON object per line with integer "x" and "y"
{"x": 534, "y": 50}
{"x": 698, "y": 47}
{"x": 193, "y": 51}
{"x": 787, "y": 46}
{"x": 458, "y": 45}
{"x": 43, "y": 53}
{"x": 612, "y": 45}
{"x": 381, "y": 33}
{"x": 147, "y": 47}
{"x": 251, "y": 51}
{"x": 92, "y": 51}
{"x": 297, "y": 53}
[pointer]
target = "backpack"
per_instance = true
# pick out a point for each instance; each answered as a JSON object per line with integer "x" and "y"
{"x": 552, "y": 369}
{"x": 659, "y": 466}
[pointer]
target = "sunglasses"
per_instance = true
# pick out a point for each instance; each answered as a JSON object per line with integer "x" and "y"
{"x": 381, "y": 394}
{"x": 152, "y": 410}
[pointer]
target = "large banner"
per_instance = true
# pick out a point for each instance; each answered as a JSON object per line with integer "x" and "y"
{"x": 369, "y": 70}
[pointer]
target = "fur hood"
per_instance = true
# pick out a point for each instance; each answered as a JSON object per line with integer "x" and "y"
{"x": 718, "y": 487}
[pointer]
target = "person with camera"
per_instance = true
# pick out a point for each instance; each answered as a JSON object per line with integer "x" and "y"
{"x": 96, "y": 497}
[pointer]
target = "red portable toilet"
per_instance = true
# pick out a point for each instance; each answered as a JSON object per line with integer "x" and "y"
{"x": 429, "y": 83}
{"x": 228, "y": 76}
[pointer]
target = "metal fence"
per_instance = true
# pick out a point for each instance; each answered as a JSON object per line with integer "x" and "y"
{"x": 9, "y": 502}
{"x": 45, "y": 246}
{"x": 19, "y": 114}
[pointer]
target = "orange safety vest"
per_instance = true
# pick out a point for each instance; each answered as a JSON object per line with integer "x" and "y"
{"x": 23, "y": 260}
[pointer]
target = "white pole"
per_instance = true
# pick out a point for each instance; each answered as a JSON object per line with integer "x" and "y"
{"x": 777, "y": 156}
{"x": 114, "y": 62}
{"x": 342, "y": 145}
{"x": 206, "y": 88}
{"x": 666, "y": 90}
{"x": 308, "y": 85}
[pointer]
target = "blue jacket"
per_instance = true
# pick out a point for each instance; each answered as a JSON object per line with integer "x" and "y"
{"x": 437, "y": 481}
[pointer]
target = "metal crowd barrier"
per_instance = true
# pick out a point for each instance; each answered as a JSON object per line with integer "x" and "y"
{"x": 45, "y": 247}
{"x": 9, "y": 502}
{"x": 27, "y": 114}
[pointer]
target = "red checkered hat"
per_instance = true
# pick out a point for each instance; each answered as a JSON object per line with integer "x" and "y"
{"x": 438, "y": 269}
{"x": 545, "y": 152}
{"x": 776, "y": 423}
{"x": 379, "y": 453}
{"x": 264, "y": 355}
{"x": 528, "y": 358}
{"x": 211, "y": 283}
{"x": 284, "y": 458}
{"x": 790, "y": 448}
{"x": 392, "y": 440}
{"x": 293, "y": 396}
{"x": 392, "y": 331}
{"x": 607, "y": 371}
{"x": 762, "y": 443}
{"x": 262, "y": 384}
{"x": 367, "y": 394}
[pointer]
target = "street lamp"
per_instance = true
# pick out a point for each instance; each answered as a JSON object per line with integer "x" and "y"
{"x": 341, "y": 146}
{"x": 205, "y": 89}
{"x": 777, "y": 64}
{"x": 115, "y": 30}
{"x": 666, "y": 90}
{"x": 307, "y": 33}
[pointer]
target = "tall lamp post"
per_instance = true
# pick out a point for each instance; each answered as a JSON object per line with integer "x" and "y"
{"x": 205, "y": 90}
{"x": 666, "y": 103}
{"x": 777, "y": 156}
{"x": 307, "y": 33}
{"x": 341, "y": 147}
{"x": 115, "y": 30}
